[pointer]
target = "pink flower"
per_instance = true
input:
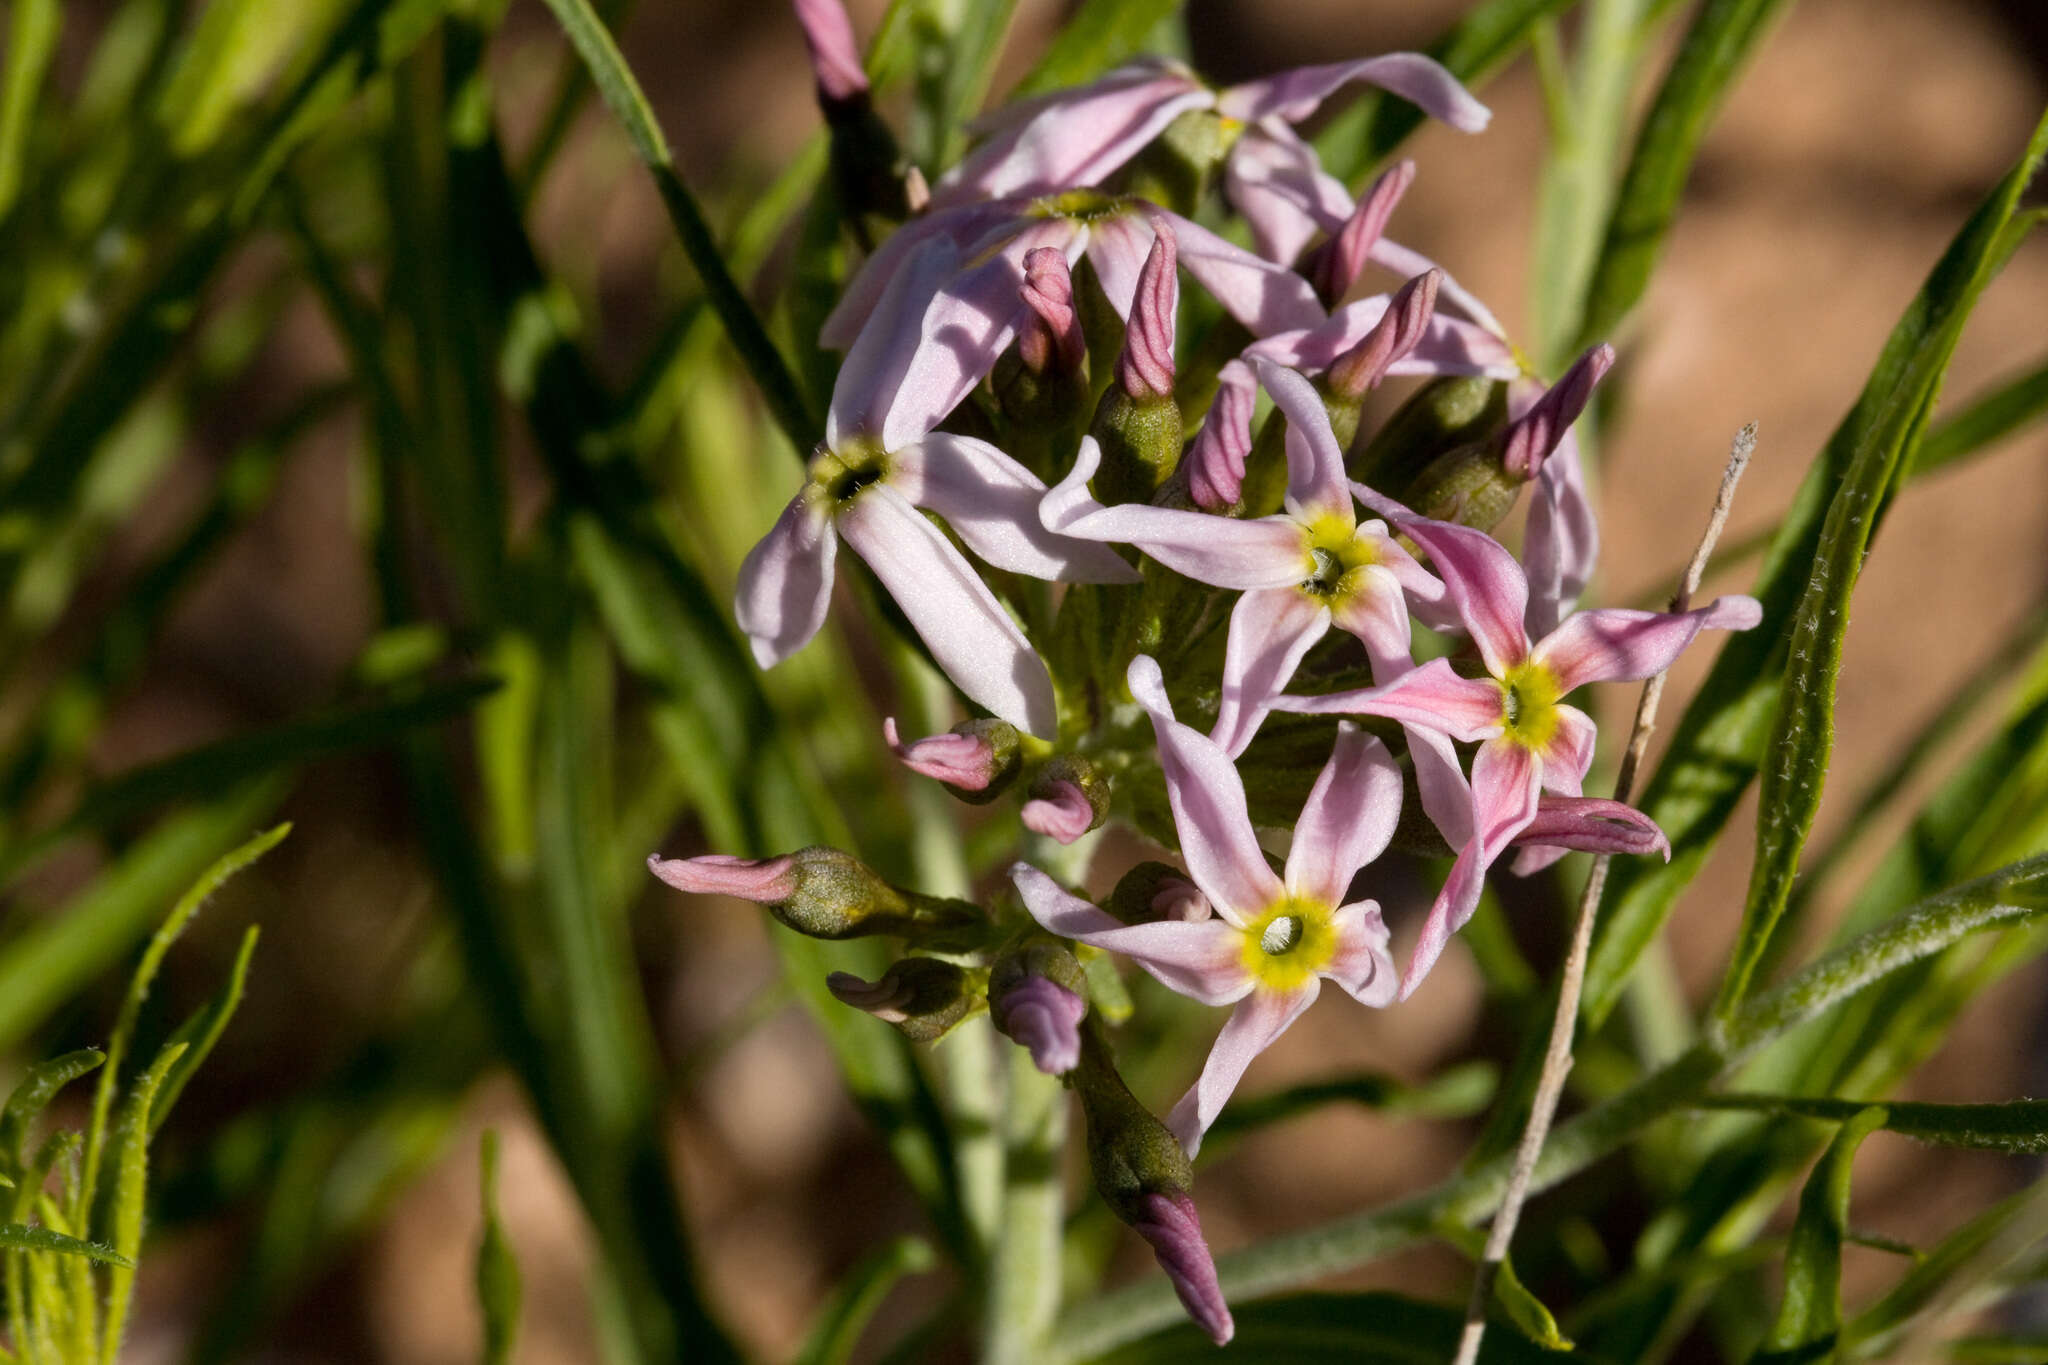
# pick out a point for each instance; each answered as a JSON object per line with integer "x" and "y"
{"x": 1274, "y": 939}
{"x": 881, "y": 462}
{"x": 1078, "y": 137}
{"x": 1529, "y": 739}
{"x": 977, "y": 313}
{"x": 1313, "y": 565}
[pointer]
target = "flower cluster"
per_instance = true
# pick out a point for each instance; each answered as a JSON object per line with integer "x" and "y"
{"x": 1027, "y": 398}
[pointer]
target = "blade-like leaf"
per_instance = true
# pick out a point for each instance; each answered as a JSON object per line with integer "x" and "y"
{"x": 1945, "y": 1275}
{"x": 25, "y": 1237}
{"x": 1986, "y": 421}
{"x": 31, "y": 43}
{"x": 1719, "y": 743}
{"x": 1460, "y": 1092}
{"x": 1722, "y": 35}
{"x": 497, "y": 1271}
{"x": 203, "y": 1029}
{"x": 32, "y": 1095}
{"x": 836, "y": 1330}
{"x": 130, "y": 1192}
{"x": 1810, "y": 1314}
{"x": 2017, "y": 1126}
{"x": 956, "y": 46}
{"x": 1100, "y": 35}
{"x": 1365, "y": 1329}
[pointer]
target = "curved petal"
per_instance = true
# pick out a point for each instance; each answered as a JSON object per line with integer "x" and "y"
{"x": 1216, "y": 839}
{"x": 1617, "y": 645}
{"x": 970, "y": 635}
{"x": 1570, "y": 752}
{"x": 960, "y": 226}
{"x": 1316, "y": 485}
{"x": 1075, "y": 140}
{"x": 1431, "y": 696}
{"x": 785, "y": 585}
{"x": 1504, "y": 781}
{"x": 1376, "y": 612}
{"x": 1201, "y": 959}
{"x": 1265, "y": 297}
{"x": 1278, "y": 185}
{"x": 1362, "y": 966}
{"x": 1258, "y": 1019}
{"x": 1223, "y": 552}
{"x": 1270, "y": 630}
{"x": 1347, "y": 820}
{"x": 1562, "y": 542}
{"x": 1591, "y": 825}
{"x": 1448, "y": 346}
{"x": 1440, "y": 783}
{"x": 1483, "y": 583}
{"x": 1417, "y": 582}
{"x": 1294, "y": 95}
{"x": 1408, "y": 263}
{"x": 991, "y": 502}
{"x": 1117, "y": 248}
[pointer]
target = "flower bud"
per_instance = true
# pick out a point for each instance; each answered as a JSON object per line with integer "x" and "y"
{"x": 1050, "y": 333}
{"x": 835, "y": 59}
{"x": 1334, "y": 266}
{"x": 1154, "y": 891}
{"x": 1069, "y": 797}
{"x": 1586, "y": 824}
{"x": 923, "y": 997}
{"x": 1144, "y": 1177}
{"x": 977, "y": 759}
{"x": 1528, "y": 441}
{"x": 1442, "y": 415}
{"x": 1145, "y": 368}
{"x": 1041, "y": 383}
{"x": 1037, "y": 996}
{"x": 1214, "y": 468}
{"x": 824, "y": 893}
{"x": 1360, "y": 369}
{"x": 1137, "y": 423}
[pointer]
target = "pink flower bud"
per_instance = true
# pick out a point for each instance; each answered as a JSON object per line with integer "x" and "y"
{"x": 1215, "y": 463}
{"x": 1060, "y": 810}
{"x": 964, "y": 761}
{"x": 1169, "y": 1223}
{"x": 1179, "y": 898}
{"x": 1336, "y": 264}
{"x": 1528, "y": 441}
{"x": 1398, "y": 331}
{"x": 1588, "y": 825}
{"x": 1044, "y": 1017}
{"x": 765, "y": 881}
{"x": 835, "y": 58}
{"x": 1145, "y": 368}
{"x": 1050, "y": 333}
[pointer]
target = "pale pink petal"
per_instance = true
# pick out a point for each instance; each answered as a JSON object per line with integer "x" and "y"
{"x": 1618, "y": 645}
{"x": 1074, "y": 141}
{"x": 1279, "y": 187}
{"x": 1504, "y": 780}
{"x": 1440, "y": 783}
{"x": 1347, "y": 820}
{"x": 1419, "y": 583}
{"x": 1117, "y": 248}
{"x": 1431, "y": 696}
{"x": 1139, "y": 70}
{"x": 1258, "y": 1020}
{"x": 1215, "y": 462}
{"x": 1448, "y": 345}
{"x": 1294, "y": 95}
{"x": 967, "y": 325}
{"x": 1224, "y": 552}
{"x": 1533, "y": 858}
{"x": 1483, "y": 583}
{"x": 1561, "y": 544}
{"x": 1362, "y": 966}
{"x": 1570, "y": 752}
{"x": 1408, "y": 263}
{"x": 766, "y": 881}
{"x": 1316, "y": 486}
{"x": 785, "y": 584}
{"x": 961, "y": 226}
{"x": 1060, "y": 811}
{"x": 971, "y": 637}
{"x": 835, "y": 59}
{"x": 1199, "y": 959}
{"x": 964, "y": 761}
{"x": 1265, "y": 297}
{"x": 1376, "y": 613}
{"x": 1216, "y": 839}
{"x": 1336, "y": 265}
{"x": 991, "y": 502}
{"x": 872, "y": 377}
{"x": 1270, "y": 630}
{"x": 1530, "y": 438}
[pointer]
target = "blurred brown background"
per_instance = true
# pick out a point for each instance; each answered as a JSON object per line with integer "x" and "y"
{"x": 1847, "y": 156}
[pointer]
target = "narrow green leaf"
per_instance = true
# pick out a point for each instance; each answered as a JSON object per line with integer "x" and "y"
{"x": 32, "y": 1095}
{"x": 1365, "y": 134}
{"x": 130, "y": 1193}
{"x": 836, "y": 1330}
{"x": 622, "y": 95}
{"x": 1101, "y": 34}
{"x": 1986, "y": 421}
{"x": 956, "y": 43}
{"x": 1720, "y": 742}
{"x": 1722, "y": 35}
{"x": 2015, "y": 1126}
{"x": 1460, "y": 1092}
{"x": 1999, "y": 1350}
{"x": 1810, "y": 1314}
{"x": 1527, "y": 1313}
{"x": 167, "y": 934}
{"x": 1367, "y": 1329}
{"x": 1945, "y": 1275}
{"x": 31, "y": 43}
{"x": 25, "y": 1237}
{"x": 497, "y": 1270}
{"x": 203, "y": 1029}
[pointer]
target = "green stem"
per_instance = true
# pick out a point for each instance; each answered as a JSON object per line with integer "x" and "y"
{"x": 1023, "y": 1293}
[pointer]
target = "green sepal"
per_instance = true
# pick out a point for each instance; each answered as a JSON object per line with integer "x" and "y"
{"x": 1442, "y": 415}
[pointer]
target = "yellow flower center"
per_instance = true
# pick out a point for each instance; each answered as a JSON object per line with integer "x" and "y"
{"x": 839, "y": 474}
{"x": 1528, "y": 703}
{"x": 1285, "y": 947}
{"x": 1337, "y": 559}
{"x": 1081, "y": 206}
